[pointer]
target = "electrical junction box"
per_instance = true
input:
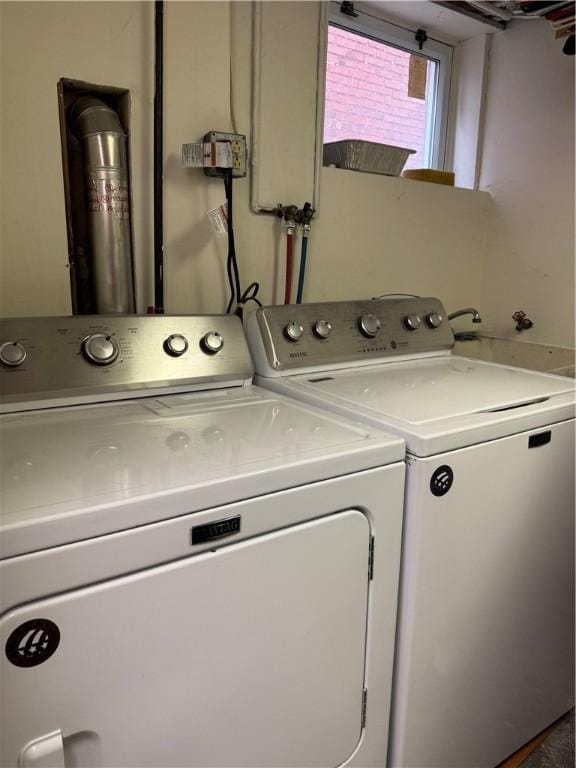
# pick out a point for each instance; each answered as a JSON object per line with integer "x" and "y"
{"x": 238, "y": 151}
{"x": 217, "y": 153}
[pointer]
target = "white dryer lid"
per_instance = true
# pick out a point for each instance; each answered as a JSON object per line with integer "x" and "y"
{"x": 442, "y": 403}
{"x": 71, "y": 473}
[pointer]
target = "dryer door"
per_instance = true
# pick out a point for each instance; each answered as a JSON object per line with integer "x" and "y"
{"x": 250, "y": 655}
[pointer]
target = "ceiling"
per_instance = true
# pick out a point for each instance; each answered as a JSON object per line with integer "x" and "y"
{"x": 439, "y": 22}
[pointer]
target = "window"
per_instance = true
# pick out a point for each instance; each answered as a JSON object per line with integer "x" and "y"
{"x": 381, "y": 87}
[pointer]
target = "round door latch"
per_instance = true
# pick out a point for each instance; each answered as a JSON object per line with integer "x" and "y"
{"x": 442, "y": 480}
{"x": 32, "y": 643}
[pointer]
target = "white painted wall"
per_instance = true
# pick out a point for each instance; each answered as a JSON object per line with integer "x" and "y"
{"x": 197, "y": 45}
{"x": 528, "y": 168}
{"x": 467, "y": 97}
{"x": 395, "y": 235}
{"x": 374, "y": 234}
{"x": 107, "y": 43}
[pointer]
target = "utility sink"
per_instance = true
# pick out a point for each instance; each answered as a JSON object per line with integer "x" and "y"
{"x": 520, "y": 354}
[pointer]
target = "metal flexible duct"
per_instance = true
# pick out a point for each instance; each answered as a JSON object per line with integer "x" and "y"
{"x": 108, "y": 204}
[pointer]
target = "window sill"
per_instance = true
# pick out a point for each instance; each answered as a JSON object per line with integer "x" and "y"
{"x": 328, "y": 170}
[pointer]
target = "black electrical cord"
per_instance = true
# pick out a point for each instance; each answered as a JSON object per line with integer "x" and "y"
{"x": 231, "y": 238}
{"x": 231, "y": 262}
{"x": 229, "y": 257}
{"x": 231, "y": 284}
{"x": 232, "y": 270}
{"x": 250, "y": 294}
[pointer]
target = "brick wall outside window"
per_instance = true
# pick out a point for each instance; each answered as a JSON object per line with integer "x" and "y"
{"x": 367, "y": 95}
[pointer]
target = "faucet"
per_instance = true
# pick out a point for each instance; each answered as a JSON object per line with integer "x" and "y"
{"x": 466, "y": 335}
{"x": 468, "y": 311}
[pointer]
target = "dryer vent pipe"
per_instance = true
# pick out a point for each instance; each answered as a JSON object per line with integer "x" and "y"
{"x": 104, "y": 157}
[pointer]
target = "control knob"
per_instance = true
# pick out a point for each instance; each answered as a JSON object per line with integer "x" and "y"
{"x": 369, "y": 325}
{"x": 434, "y": 320}
{"x": 322, "y": 329}
{"x": 12, "y": 353}
{"x": 212, "y": 343}
{"x": 100, "y": 349}
{"x": 175, "y": 345}
{"x": 412, "y": 322}
{"x": 293, "y": 331}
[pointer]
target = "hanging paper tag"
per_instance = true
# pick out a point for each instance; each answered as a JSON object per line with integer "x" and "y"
{"x": 417, "y": 72}
{"x": 218, "y": 218}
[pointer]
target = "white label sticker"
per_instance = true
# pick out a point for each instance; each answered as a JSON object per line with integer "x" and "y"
{"x": 216, "y": 154}
{"x": 219, "y": 220}
{"x": 193, "y": 155}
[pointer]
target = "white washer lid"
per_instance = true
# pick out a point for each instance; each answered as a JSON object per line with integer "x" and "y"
{"x": 442, "y": 397}
{"x": 72, "y": 473}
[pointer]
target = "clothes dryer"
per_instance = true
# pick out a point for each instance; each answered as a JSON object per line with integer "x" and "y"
{"x": 195, "y": 571}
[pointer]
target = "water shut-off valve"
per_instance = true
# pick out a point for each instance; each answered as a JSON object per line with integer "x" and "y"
{"x": 523, "y": 323}
{"x": 288, "y": 214}
{"x": 291, "y": 215}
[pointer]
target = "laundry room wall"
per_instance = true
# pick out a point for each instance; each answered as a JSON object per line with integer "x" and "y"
{"x": 528, "y": 169}
{"x": 41, "y": 42}
{"x": 373, "y": 234}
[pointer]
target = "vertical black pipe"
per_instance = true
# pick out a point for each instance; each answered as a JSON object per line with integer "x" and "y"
{"x": 159, "y": 156}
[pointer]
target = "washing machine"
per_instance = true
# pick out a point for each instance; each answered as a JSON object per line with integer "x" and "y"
{"x": 485, "y": 651}
{"x": 195, "y": 571}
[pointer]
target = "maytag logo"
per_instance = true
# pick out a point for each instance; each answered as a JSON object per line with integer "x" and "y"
{"x": 218, "y": 529}
{"x": 298, "y": 354}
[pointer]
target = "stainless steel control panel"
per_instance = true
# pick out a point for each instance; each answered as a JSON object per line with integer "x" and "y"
{"x": 298, "y": 335}
{"x": 50, "y": 358}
